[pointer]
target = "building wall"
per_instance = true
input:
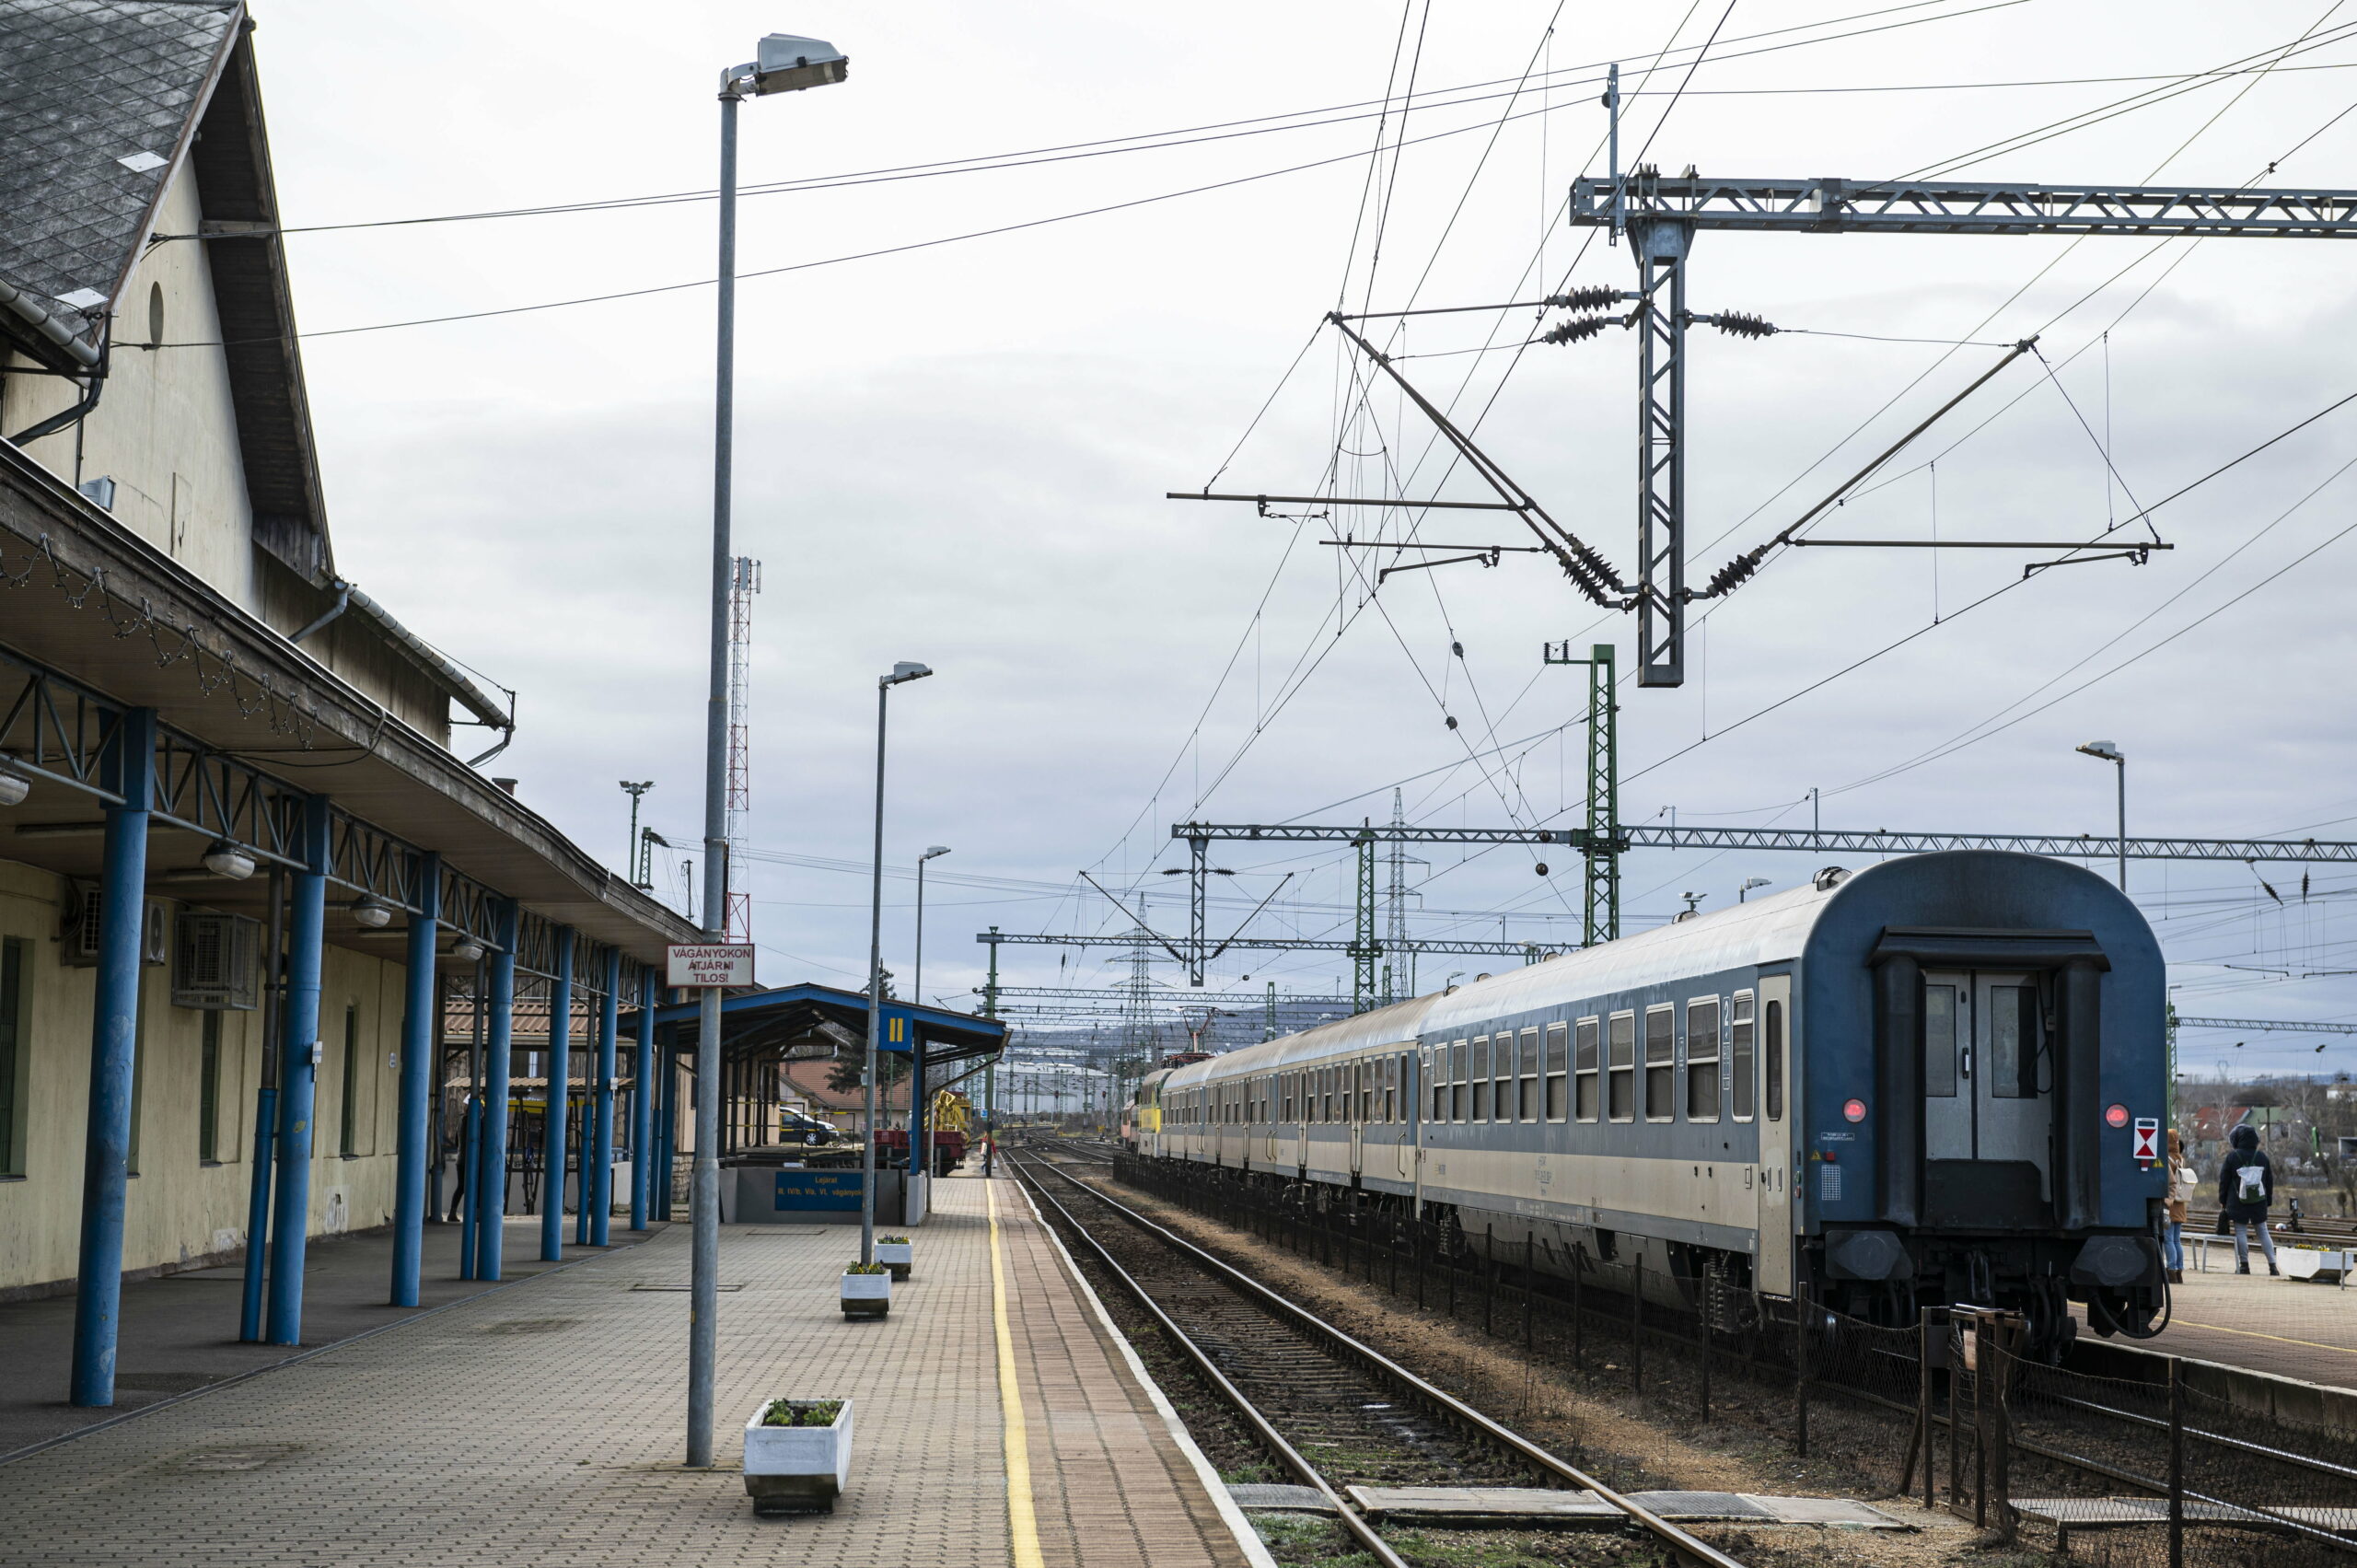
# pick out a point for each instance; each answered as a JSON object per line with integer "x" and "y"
{"x": 181, "y": 1208}
{"x": 166, "y": 432}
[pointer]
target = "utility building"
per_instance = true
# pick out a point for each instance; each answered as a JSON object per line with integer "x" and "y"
{"x": 243, "y": 872}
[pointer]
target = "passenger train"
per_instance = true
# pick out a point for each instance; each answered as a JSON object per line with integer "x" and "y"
{"x": 1938, "y": 1080}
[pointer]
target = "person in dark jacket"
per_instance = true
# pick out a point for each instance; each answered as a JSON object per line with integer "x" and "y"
{"x": 2245, "y": 1186}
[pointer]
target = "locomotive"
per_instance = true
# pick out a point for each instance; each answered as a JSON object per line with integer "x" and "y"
{"x": 1940, "y": 1079}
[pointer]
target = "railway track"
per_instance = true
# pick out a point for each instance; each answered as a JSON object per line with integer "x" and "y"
{"x": 1329, "y": 1408}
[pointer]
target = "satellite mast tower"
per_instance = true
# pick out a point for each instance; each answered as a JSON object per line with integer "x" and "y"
{"x": 744, "y": 582}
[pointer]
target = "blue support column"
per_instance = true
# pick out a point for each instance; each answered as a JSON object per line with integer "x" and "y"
{"x": 130, "y": 770}
{"x": 667, "y": 1121}
{"x": 555, "y": 1121}
{"x": 601, "y": 1204}
{"x": 490, "y": 1191}
{"x": 298, "y": 1077}
{"x": 470, "y": 1184}
{"x": 249, "y": 1312}
{"x": 419, "y": 1042}
{"x": 641, "y": 1106}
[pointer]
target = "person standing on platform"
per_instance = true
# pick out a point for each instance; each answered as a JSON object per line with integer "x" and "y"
{"x": 2181, "y": 1184}
{"x": 2246, "y": 1187}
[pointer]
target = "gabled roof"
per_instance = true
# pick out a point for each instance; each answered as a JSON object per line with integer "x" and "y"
{"x": 99, "y": 101}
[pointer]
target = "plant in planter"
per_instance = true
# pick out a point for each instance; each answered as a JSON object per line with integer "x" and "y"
{"x": 797, "y": 1455}
{"x": 896, "y": 1254}
{"x": 866, "y": 1290}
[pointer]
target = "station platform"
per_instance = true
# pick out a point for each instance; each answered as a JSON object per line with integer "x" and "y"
{"x": 2287, "y": 1327}
{"x": 999, "y": 1420}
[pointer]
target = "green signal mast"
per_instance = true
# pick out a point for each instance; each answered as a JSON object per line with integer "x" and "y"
{"x": 1601, "y": 850}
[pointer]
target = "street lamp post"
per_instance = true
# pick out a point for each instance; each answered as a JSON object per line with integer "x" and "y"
{"x": 2112, "y": 754}
{"x": 782, "y": 63}
{"x": 903, "y": 671}
{"x": 921, "y": 1149}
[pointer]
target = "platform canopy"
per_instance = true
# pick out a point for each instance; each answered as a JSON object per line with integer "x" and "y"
{"x": 760, "y": 1022}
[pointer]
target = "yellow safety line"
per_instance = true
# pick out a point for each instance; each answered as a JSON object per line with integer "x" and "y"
{"x": 1022, "y": 1522}
{"x": 2254, "y": 1334}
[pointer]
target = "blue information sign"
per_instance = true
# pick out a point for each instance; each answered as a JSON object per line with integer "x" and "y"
{"x": 818, "y": 1190}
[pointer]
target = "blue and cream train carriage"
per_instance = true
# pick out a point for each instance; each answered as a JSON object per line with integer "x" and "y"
{"x": 1937, "y": 1080}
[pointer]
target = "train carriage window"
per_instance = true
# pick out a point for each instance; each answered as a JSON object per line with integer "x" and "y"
{"x": 1437, "y": 1075}
{"x": 1739, "y": 1046}
{"x": 2013, "y": 1041}
{"x": 1940, "y": 1042}
{"x": 1481, "y": 1076}
{"x": 1585, "y": 1085}
{"x": 1773, "y": 1065}
{"x": 1661, "y": 1064}
{"x": 1620, "y": 1069}
{"x": 1702, "y": 1060}
{"x": 1367, "y": 1091}
{"x": 1501, "y": 1103}
{"x": 1557, "y": 1071}
{"x": 1459, "y": 1097}
{"x": 1530, "y": 1074}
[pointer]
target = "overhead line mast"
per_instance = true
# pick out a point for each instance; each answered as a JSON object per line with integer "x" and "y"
{"x": 744, "y": 582}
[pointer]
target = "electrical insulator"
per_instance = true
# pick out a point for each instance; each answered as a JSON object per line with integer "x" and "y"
{"x": 1741, "y": 324}
{"x": 1579, "y": 329}
{"x": 1592, "y": 298}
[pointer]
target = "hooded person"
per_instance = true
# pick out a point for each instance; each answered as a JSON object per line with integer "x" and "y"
{"x": 2246, "y": 1187}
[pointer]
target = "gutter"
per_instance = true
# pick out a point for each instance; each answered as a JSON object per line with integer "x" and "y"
{"x": 25, "y": 304}
{"x": 473, "y": 698}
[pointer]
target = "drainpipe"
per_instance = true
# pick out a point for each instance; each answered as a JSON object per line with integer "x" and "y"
{"x": 342, "y": 602}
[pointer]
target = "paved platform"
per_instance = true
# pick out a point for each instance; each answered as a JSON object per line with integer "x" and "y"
{"x": 543, "y": 1424}
{"x": 2291, "y": 1328}
{"x": 179, "y": 1332}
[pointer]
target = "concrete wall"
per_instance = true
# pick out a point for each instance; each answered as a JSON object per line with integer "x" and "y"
{"x": 181, "y": 1208}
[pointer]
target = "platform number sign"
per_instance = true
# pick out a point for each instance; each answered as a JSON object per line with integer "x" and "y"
{"x": 2148, "y": 1138}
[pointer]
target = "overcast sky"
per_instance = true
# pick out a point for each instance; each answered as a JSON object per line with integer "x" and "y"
{"x": 957, "y": 453}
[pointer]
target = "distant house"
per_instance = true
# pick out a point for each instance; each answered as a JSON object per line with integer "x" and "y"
{"x": 242, "y": 871}
{"x": 807, "y": 1081}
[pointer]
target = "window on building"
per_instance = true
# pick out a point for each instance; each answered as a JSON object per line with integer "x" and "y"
{"x": 1702, "y": 1060}
{"x": 1530, "y": 1074}
{"x": 1774, "y": 1065}
{"x": 1739, "y": 1048}
{"x": 1584, "y": 1081}
{"x": 208, "y": 1090}
{"x": 15, "y": 1051}
{"x": 1621, "y": 1069}
{"x": 348, "y": 1121}
{"x": 1661, "y": 1064}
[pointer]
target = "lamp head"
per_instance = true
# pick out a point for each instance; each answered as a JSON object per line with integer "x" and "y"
{"x": 224, "y": 857}
{"x": 371, "y": 913}
{"x": 2105, "y": 750}
{"x": 907, "y": 669}
{"x": 786, "y": 64}
{"x": 935, "y": 850}
{"x": 13, "y": 785}
{"x": 467, "y": 950}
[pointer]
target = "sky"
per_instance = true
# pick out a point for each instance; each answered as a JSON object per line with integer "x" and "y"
{"x": 954, "y": 446}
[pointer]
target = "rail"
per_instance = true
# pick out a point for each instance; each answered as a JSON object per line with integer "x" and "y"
{"x": 1456, "y": 1409}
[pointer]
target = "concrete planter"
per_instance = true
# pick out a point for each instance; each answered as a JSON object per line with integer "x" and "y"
{"x": 867, "y": 1296}
{"x": 897, "y": 1255}
{"x": 797, "y": 1469}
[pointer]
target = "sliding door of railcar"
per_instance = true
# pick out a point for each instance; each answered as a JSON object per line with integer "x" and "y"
{"x": 1773, "y": 1269}
{"x": 1987, "y": 1101}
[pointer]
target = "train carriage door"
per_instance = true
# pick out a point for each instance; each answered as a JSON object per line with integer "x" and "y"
{"x": 1354, "y": 1095}
{"x": 2012, "y": 1100}
{"x": 1948, "y": 1087}
{"x": 1773, "y": 1269}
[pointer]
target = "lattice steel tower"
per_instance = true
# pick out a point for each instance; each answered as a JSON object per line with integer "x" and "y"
{"x": 744, "y": 582}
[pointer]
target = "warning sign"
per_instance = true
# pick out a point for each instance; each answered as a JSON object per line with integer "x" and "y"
{"x": 714, "y": 963}
{"x": 2148, "y": 1138}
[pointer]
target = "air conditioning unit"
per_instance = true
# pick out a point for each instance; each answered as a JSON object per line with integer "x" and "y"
{"x": 216, "y": 962}
{"x": 82, "y": 924}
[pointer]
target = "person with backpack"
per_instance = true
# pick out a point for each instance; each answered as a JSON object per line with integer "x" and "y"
{"x": 2181, "y": 1184}
{"x": 2245, "y": 1186}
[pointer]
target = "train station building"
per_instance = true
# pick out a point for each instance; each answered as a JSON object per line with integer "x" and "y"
{"x": 215, "y": 748}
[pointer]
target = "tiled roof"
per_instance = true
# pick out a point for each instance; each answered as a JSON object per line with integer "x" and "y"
{"x": 85, "y": 86}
